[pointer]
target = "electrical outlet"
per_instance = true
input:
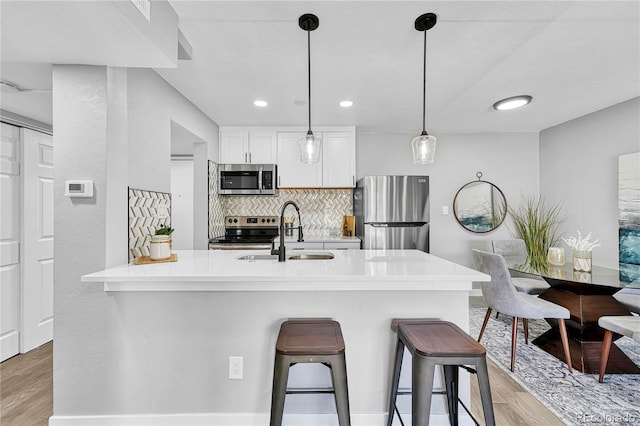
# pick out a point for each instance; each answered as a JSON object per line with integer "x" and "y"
{"x": 235, "y": 367}
{"x": 445, "y": 210}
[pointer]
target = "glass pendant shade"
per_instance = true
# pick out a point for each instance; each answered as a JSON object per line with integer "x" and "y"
{"x": 310, "y": 148}
{"x": 424, "y": 148}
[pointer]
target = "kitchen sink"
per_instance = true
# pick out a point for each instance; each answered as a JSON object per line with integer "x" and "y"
{"x": 297, "y": 256}
{"x": 258, "y": 257}
{"x": 310, "y": 256}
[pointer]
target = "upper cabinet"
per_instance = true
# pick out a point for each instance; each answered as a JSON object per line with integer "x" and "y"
{"x": 247, "y": 146}
{"x": 279, "y": 145}
{"x": 339, "y": 159}
{"x": 337, "y": 165}
{"x": 293, "y": 173}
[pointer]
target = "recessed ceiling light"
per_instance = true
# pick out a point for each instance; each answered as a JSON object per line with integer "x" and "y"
{"x": 512, "y": 102}
{"x": 346, "y": 104}
{"x": 260, "y": 103}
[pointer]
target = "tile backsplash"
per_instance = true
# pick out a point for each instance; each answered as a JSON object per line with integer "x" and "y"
{"x": 148, "y": 210}
{"x": 216, "y": 215}
{"x": 321, "y": 210}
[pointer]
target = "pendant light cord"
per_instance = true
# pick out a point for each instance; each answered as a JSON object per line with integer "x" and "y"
{"x": 424, "y": 85}
{"x": 309, "y": 73}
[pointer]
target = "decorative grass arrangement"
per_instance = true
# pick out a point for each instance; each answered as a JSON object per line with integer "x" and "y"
{"x": 537, "y": 225}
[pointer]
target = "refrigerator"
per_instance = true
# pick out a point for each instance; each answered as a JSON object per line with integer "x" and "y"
{"x": 392, "y": 212}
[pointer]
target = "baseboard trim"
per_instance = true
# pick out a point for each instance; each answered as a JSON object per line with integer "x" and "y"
{"x": 233, "y": 419}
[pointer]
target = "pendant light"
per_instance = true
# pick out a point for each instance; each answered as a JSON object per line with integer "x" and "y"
{"x": 424, "y": 146}
{"x": 310, "y": 145}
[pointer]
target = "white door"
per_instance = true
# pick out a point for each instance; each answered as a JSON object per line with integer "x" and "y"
{"x": 182, "y": 207}
{"x": 9, "y": 241}
{"x": 37, "y": 238}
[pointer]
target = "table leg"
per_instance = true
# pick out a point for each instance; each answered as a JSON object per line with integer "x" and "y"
{"x": 585, "y": 337}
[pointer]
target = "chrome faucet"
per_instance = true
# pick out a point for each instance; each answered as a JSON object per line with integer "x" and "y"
{"x": 281, "y": 250}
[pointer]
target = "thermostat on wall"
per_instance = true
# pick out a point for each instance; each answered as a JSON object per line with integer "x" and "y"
{"x": 78, "y": 188}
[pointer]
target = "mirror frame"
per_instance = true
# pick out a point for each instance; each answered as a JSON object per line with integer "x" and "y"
{"x": 455, "y": 202}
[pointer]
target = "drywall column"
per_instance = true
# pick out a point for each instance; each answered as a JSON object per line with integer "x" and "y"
{"x": 201, "y": 196}
{"x": 90, "y": 142}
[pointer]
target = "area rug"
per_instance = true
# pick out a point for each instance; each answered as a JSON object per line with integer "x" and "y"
{"x": 576, "y": 398}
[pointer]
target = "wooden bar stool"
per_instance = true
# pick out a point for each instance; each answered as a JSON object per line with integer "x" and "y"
{"x": 310, "y": 341}
{"x": 431, "y": 343}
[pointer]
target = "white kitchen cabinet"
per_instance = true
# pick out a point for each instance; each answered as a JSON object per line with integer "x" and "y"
{"x": 292, "y": 173}
{"x": 346, "y": 245}
{"x": 247, "y": 146}
{"x": 294, "y": 245}
{"x": 338, "y": 159}
{"x": 335, "y": 169}
{"x": 320, "y": 245}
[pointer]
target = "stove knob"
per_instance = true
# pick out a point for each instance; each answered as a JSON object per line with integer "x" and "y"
{"x": 230, "y": 220}
{"x": 235, "y": 220}
{"x": 263, "y": 220}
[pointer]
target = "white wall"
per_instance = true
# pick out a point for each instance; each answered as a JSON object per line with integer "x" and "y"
{"x": 508, "y": 160}
{"x": 153, "y": 105}
{"x": 579, "y": 167}
{"x": 112, "y": 125}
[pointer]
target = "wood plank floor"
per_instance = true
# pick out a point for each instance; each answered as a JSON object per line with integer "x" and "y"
{"x": 26, "y": 393}
{"x": 26, "y": 388}
{"x": 512, "y": 404}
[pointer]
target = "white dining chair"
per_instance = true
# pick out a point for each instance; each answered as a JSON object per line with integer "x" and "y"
{"x": 626, "y": 325}
{"x": 501, "y": 295}
{"x": 514, "y": 252}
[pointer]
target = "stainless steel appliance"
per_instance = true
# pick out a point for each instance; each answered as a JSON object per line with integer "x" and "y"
{"x": 392, "y": 212}
{"x": 248, "y": 179}
{"x": 246, "y": 233}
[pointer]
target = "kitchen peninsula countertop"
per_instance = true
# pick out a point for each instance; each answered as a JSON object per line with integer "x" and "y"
{"x": 350, "y": 270}
{"x": 176, "y": 324}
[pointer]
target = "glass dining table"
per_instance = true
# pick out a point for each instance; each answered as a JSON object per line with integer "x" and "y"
{"x": 587, "y": 296}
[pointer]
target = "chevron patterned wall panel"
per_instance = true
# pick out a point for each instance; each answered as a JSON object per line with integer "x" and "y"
{"x": 321, "y": 209}
{"x": 147, "y": 211}
{"x": 216, "y": 215}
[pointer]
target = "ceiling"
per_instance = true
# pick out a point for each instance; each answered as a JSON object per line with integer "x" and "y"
{"x": 574, "y": 58}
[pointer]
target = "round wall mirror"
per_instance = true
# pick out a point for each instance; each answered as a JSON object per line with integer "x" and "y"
{"x": 480, "y": 206}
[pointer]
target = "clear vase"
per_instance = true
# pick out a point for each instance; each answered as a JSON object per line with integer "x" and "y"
{"x": 582, "y": 260}
{"x": 556, "y": 256}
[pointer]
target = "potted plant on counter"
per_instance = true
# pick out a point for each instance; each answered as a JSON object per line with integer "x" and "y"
{"x": 538, "y": 226}
{"x": 160, "y": 244}
{"x": 164, "y": 230}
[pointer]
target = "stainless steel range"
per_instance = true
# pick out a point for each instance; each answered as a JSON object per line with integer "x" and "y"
{"x": 246, "y": 233}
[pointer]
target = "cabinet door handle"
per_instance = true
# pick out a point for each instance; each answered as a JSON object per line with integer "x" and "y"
{"x": 249, "y": 157}
{"x": 353, "y": 180}
{"x": 278, "y": 181}
{"x": 245, "y": 157}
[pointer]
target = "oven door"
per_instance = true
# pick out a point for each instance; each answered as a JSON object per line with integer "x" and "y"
{"x": 239, "y": 246}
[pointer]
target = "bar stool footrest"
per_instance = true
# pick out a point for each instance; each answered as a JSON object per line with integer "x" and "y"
{"x": 295, "y": 391}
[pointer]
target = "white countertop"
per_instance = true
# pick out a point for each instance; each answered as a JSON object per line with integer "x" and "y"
{"x": 320, "y": 237}
{"x": 350, "y": 270}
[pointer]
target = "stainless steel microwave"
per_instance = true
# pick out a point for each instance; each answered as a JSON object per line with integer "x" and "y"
{"x": 248, "y": 179}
